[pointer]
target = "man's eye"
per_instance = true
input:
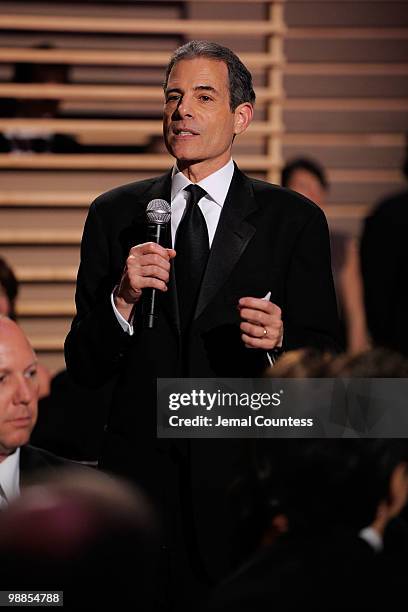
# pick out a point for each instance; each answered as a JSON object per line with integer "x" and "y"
{"x": 31, "y": 373}
{"x": 172, "y": 98}
{"x": 205, "y": 98}
{"x": 3, "y": 377}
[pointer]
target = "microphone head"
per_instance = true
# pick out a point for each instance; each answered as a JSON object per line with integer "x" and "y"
{"x": 158, "y": 211}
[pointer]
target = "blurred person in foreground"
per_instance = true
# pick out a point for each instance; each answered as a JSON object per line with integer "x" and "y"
{"x": 301, "y": 364}
{"x": 322, "y": 521}
{"x": 309, "y": 363}
{"x": 308, "y": 177}
{"x": 384, "y": 261}
{"x": 329, "y": 503}
{"x": 86, "y": 534}
{"x": 18, "y": 413}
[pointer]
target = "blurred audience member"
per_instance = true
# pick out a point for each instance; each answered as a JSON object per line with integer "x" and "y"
{"x": 301, "y": 363}
{"x": 27, "y": 139}
{"x": 329, "y": 503}
{"x": 375, "y": 363}
{"x": 18, "y": 412}
{"x": 71, "y": 419}
{"x": 310, "y": 363}
{"x": 86, "y": 534}
{"x": 308, "y": 178}
{"x": 384, "y": 261}
{"x": 20, "y": 140}
{"x": 9, "y": 288}
{"x": 313, "y": 513}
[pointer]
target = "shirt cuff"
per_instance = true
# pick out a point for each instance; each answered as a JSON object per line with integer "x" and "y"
{"x": 125, "y": 325}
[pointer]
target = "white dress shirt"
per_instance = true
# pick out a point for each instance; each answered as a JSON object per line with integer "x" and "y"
{"x": 10, "y": 478}
{"x": 216, "y": 185}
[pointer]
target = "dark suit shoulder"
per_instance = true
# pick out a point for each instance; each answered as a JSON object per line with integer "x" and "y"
{"x": 123, "y": 194}
{"x": 293, "y": 202}
{"x": 393, "y": 208}
{"x": 33, "y": 459}
{"x": 117, "y": 208}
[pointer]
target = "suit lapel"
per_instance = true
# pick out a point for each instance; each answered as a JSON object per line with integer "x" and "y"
{"x": 231, "y": 238}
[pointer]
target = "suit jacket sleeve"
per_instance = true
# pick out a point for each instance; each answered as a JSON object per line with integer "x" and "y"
{"x": 96, "y": 343}
{"x": 310, "y": 312}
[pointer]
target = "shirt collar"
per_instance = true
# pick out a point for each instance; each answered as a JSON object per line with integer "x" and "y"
{"x": 10, "y": 475}
{"x": 216, "y": 184}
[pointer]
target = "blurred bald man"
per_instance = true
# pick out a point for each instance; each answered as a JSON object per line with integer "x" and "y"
{"x": 19, "y": 389}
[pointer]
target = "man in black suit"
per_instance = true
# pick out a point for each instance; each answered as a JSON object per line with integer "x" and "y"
{"x": 259, "y": 282}
{"x": 19, "y": 461}
{"x": 384, "y": 263}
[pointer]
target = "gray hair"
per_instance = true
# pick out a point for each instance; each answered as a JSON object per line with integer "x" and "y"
{"x": 240, "y": 79}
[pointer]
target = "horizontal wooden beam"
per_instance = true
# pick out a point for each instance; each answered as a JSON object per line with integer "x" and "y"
{"x": 347, "y": 211}
{"x": 57, "y": 23}
{"x": 36, "y": 91}
{"x": 113, "y": 57}
{"x": 49, "y": 161}
{"x": 47, "y": 199}
{"x": 50, "y": 274}
{"x": 261, "y": 128}
{"x": 351, "y": 33}
{"x": 119, "y": 93}
{"x": 54, "y": 91}
{"x": 356, "y": 175}
{"x": 47, "y": 343}
{"x": 346, "y": 104}
{"x": 40, "y": 308}
{"x": 344, "y": 140}
{"x": 37, "y": 236}
{"x": 345, "y": 69}
{"x": 109, "y": 126}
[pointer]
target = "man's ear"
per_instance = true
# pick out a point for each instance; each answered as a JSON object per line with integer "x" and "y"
{"x": 243, "y": 117}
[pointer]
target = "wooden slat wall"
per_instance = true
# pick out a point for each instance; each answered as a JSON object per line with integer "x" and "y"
{"x": 116, "y": 53}
{"x": 347, "y": 97}
{"x": 331, "y": 81}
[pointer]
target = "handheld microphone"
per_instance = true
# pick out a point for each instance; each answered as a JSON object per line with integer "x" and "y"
{"x": 158, "y": 218}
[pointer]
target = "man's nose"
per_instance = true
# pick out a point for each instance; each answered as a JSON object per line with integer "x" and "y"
{"x": 24, "y": 391}
{"x": 185, "y": 107}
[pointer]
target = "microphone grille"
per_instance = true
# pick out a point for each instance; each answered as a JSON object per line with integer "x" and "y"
{"x": 158, "y": 211}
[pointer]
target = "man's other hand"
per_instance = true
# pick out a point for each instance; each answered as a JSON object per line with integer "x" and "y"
{"x": 261, "y": 324}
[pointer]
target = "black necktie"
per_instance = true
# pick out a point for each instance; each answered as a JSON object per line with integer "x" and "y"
{"x": 192, "y": 248}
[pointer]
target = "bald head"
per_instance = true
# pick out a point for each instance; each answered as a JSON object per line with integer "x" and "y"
{"x": 18, "y": 388}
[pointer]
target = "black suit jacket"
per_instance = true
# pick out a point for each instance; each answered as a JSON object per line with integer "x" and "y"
{"x": 332, "y": 570}
{"x": 384, "y": 259}
{"x": 35, "y": 461}
{"x": 268, "y": 239}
